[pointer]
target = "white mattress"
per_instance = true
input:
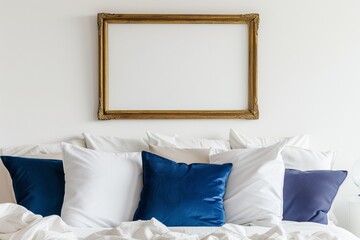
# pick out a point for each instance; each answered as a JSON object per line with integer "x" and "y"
{"x": 303, "y": 227}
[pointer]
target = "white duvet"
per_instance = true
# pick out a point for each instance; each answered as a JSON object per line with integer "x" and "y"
{"x": 18, "y": 223}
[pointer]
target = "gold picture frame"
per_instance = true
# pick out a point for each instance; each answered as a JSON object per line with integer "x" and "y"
{"x": 105, "y": 113}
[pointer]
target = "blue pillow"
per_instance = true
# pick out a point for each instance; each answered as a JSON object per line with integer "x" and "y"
{"x": 178, "y": 194}
{"x": 308, "y": 195}
{"x": 38, "y": 183}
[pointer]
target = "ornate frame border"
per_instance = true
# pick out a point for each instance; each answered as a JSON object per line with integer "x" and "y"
{"x": 104, "y": 113}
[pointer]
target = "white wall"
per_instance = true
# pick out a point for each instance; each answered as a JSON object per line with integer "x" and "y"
{"x": 309, "y": 73}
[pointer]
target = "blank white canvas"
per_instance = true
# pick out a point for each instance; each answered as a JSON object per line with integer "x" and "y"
{"x": 178, "y": 66}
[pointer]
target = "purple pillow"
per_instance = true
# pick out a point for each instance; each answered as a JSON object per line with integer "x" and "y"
{"x": 308, "y": 195}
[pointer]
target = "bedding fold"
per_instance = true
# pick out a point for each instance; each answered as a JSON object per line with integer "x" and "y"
{"x": 17, "y": 223}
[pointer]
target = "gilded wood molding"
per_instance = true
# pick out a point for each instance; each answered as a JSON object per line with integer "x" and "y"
{"x": 104, "y": 113}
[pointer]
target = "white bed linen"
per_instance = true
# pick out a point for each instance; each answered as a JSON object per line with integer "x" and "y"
{"x": 301, "y": 230}
{"x": 18, "y": 223}
{"x": 298, "y": 230}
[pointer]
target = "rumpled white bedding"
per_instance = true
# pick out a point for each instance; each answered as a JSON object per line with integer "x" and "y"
{"x": 18, "y": 223}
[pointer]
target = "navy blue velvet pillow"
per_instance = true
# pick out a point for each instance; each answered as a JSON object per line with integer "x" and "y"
{"x": 38, "y": 183}
{"x": 308, "y": 195}
{"x": 178, "y": 194}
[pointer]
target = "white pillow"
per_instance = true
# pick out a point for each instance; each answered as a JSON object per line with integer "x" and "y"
{"x": 114, "y": 144}
{"x": 162, "y": 140}
{"x": 185, "y": 155}
{"x": 295, "y": 155}
{"x": 77, "y": 142}
{"x": 6, "y": 191}
{"x": 254, "y": 192}
{"x": 238, "y": 140}
{"x": 305, "y": 159}
{"x": 31, "y": 149}
{"x": 102, "y": 189}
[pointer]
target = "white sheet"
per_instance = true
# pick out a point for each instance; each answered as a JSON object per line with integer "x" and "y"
{"x": 297, "y": 230}
{"x": 18, "y": 223}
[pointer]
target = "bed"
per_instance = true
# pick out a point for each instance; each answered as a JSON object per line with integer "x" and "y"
{"x": 168, "y": 187}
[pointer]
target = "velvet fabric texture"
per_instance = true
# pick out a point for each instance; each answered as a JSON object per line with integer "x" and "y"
{"x": 38, "y": 183}
{"x": 178, "y": 194}
{"x": 308, "y": 195}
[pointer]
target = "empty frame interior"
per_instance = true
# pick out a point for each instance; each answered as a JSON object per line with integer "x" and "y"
{"x": 177, "y": 66}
